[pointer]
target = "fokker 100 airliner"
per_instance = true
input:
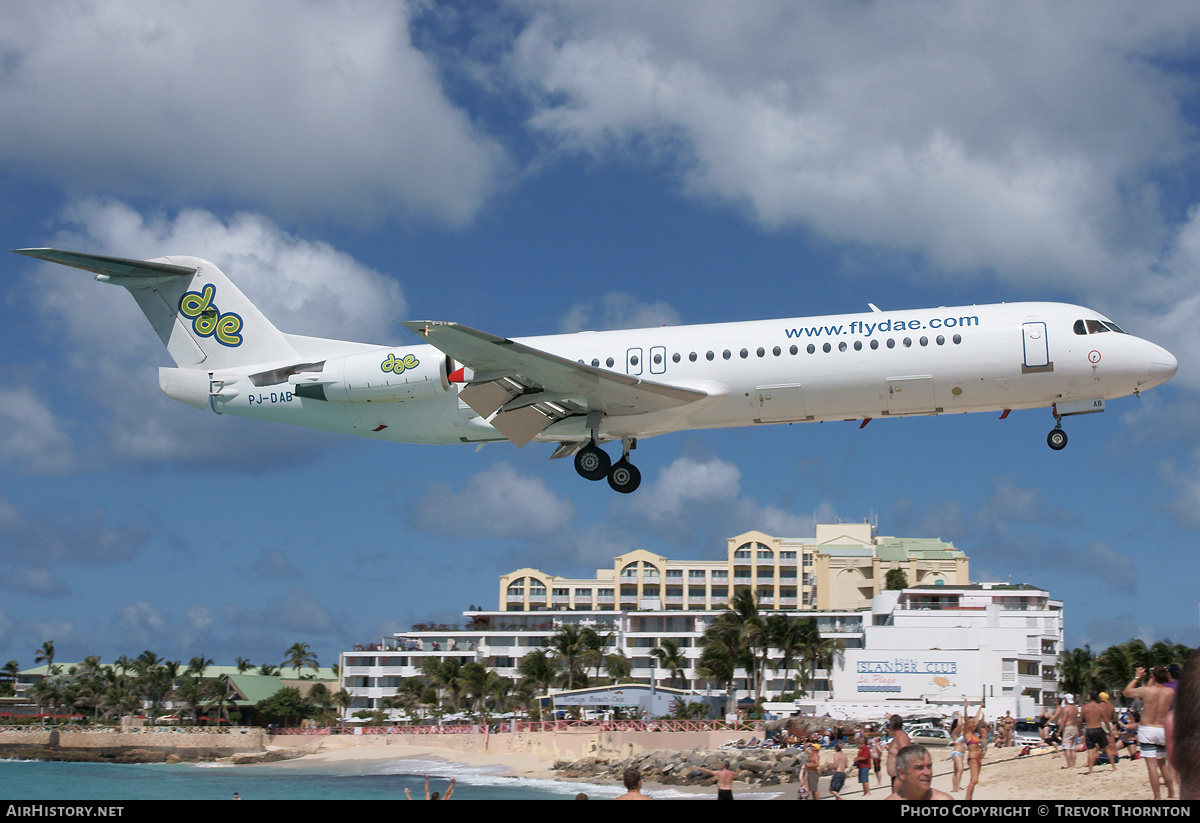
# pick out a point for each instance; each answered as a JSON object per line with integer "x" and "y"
{"x": 581, "y": 390}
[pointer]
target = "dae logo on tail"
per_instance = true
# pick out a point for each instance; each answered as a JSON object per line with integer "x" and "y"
{"x": 207, "y": 321}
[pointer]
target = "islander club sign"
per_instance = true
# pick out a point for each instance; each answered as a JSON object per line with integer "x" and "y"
{"x": 905, "y": 674}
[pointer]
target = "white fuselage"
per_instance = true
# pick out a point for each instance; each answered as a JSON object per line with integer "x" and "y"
{"x": 878, "y": 364}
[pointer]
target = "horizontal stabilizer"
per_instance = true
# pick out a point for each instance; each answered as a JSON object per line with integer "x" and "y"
{"x": 111, "y": 266}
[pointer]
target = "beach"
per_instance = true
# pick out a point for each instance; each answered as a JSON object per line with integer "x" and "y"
{"x": 1005, "y": 776}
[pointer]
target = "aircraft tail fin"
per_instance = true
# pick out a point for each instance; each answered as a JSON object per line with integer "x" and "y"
{"x": 202, "y": 318}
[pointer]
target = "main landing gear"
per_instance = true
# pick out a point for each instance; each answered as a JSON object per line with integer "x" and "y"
{"x": 593, "y": 463}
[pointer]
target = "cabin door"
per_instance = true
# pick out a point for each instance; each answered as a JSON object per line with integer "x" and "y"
{"x": 1037, "y": 350}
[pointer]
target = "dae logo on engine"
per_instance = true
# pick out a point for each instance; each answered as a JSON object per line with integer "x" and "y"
{"x": 399, "y": 366}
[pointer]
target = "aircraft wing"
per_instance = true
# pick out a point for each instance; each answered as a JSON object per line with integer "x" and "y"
{"x": 529, "y": 389}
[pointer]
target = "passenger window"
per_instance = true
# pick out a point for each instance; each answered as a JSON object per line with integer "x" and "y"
{"x": 858, "y": 345}
{"x": 811, "y": 348}
{"x": 794, "y": 350}
{"x": 941, "y": 341}
{"x": 842, "y": 346}
{"x": 761, "y": 352}
{"x": 744, "y": 354}
{"x": 692, "y": 357}
{"x": 595, "y": 362}
{"x": 826, "y": 348}
{"x": 776, "y": 351}
{"x": 957, "y": 339}
{"x": 709, "y": 355}
{"x": 675, "y": 357}
{"x": 874, "y": 344}
{"x": 924, "y": 341}
{"x": 908, "y": 342}
{"x": 609, "y": 362}
{"x": 726, "y": 354}
{"x": 891, "y": 343}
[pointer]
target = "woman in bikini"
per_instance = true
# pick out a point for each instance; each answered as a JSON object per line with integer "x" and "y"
{"x": 974, "y": 745}
{"x": 958, "y": 755}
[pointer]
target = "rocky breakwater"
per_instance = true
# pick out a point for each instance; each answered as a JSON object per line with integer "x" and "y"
{"x": 754, "y": 767}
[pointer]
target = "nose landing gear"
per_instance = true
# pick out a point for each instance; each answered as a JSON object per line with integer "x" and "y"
{"x": 1057, "y": 439}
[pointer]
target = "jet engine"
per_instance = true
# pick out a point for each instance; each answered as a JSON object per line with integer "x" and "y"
{"x": 384, "y": 375}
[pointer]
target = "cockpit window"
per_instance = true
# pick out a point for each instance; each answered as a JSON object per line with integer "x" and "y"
{"x": 1096, "y": 326}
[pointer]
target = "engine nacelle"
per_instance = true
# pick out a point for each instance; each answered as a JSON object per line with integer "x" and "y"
{"x": 385, "y": 375}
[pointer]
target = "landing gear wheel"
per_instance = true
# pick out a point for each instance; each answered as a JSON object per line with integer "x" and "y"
{"x": 624, "y": 477}
{"x": 1057, "y": 439}
{"x": 592, "y": 463}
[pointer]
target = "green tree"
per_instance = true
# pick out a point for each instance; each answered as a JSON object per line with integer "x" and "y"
{"x": 300, "y": 656}
{"x": 895, "y": 579}
{"x": 671, "y": 659}
{"x": 286, "y": 707}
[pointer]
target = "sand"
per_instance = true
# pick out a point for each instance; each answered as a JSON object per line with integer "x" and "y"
{"x": 1039, "y": 776}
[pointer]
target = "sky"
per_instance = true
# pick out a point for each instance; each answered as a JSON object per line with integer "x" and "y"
{"x": 534, "y": 167}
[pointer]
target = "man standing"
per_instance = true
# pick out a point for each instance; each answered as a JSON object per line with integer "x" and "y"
{"x": 633, "y": 782}
{"x": 724, "y": 777}
{"x": 839, "y": 770}
{"x": 914, "y": 775}
{"x": 899, "y": 741}
{"x": 1156, "y": 700}
{"x": 1067, "y": 718}
{"x": 1096, "y": 715}
{"x": 812, "y": 771}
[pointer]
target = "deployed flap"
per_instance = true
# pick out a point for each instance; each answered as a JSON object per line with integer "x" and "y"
{"x": 530, "y": 370}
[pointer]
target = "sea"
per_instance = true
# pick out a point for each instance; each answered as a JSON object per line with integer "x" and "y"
{"x": 35, "y": 780}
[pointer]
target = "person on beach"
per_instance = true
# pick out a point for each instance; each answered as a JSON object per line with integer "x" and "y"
{"x": 1097, "y": 714}
{"x": 1067, "y": 718}
{"x": 914, "y": 775}
{"x": 877, "y": 759}
{"x": 1182, "y": 727}
{"x": 839, "y": 770}
{"x": 974, "y": 745}
{"x": 899, "y": 741}
{"x": 812, "y": 771}
{"x": 435, "y": 795}
{"x": 633, "y": 782}
{"x": 724, "y": 777}
{"x": 958, "y": 755}
{"x": 1152, "y": 741}
{"x": 863, "y": 763}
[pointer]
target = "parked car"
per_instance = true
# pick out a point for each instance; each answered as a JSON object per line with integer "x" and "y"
{"x": 1026, "y": 733}
{"x": 930, "y": 736}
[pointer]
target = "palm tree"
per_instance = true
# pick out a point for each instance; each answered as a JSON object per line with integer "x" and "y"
{"x": 1077, "y": 671}
{"x": 817, "y": 651}
{"x": 244, "y": 665}
{"x": 723, "y": 651}
{"x": 45, "y": 654}
{"x": 300, "y": 655}
{"x": 671, "y": 659}
{"x": 787, "y": 635}
{"x": 539, "y": 669}
{"x": 570, "y": 646}
{"x": 618, "y": 666}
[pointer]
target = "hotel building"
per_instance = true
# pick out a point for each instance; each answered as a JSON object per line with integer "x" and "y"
{"x": 837, "y": 577}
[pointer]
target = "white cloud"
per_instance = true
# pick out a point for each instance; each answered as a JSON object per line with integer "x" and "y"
{"x": 497, "y": 502}
{"x": 31, "y": 435}
{"x": 617, "y": 310}
{"x": 1014, "y": 138}
{"x": 310, "y": 108}
{"x": 697, "y": 502}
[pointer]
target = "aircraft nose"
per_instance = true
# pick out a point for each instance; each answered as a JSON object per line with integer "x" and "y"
{"x": 1163, "y": 365}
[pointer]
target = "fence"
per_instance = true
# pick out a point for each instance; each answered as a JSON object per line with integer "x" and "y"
{"x": 665, "y": 725}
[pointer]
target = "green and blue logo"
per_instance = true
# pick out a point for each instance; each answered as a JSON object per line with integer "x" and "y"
{"x": 207, "y": 321}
